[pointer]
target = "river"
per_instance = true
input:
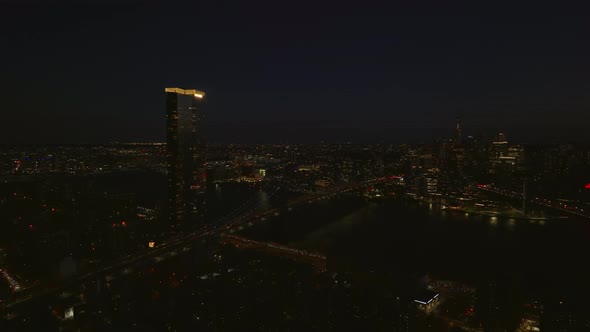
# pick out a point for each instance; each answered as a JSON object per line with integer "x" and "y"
{"x": 540, "y": 257}
{"x": 398, "y": 235}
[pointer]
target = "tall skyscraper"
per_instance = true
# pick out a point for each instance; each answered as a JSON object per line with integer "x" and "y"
{"x": 185, "y": 157}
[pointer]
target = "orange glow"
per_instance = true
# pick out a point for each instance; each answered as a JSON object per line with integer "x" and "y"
{"x": 196, "y": 93}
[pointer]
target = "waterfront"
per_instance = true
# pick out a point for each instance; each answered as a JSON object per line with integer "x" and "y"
{"x": 399, "y": 235}
{"x": 383, "y": 246}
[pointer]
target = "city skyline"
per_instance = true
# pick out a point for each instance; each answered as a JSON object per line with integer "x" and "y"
{"x": 218, "y": 166}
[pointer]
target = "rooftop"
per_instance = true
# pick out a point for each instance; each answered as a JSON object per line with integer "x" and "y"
{"x": 196, "y": 93}
{"x": 425, "y": 296}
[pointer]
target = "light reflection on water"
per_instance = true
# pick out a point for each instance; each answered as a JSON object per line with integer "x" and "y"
{"x": 324, "y": 237}
{"x": 494, "y": 221}
{"x": 400, "y": 235}
{"x": 511, "y": 223}
{"x": 403, "y": 214}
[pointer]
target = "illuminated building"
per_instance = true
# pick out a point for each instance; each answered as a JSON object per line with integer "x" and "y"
{"x": 431, "y": 183}
{"x": 185, "y": 156}
{"x": 426, "y": 300}
{"x": 427, "y": 184}
{"x": 504, "y": 156}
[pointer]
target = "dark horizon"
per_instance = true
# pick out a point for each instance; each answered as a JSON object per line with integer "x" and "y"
{"x": 293, "y": 166}
{"x": 96, "y": 73}
{"x": 283, "y": 135}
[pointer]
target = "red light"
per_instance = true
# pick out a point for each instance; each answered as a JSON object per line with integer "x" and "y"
{"x": 587, "y": 186}
{"x": 124, "y": 224}
{"x": 30, "y": 226}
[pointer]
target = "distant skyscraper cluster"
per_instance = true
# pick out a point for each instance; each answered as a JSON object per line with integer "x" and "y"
{"x": 185, "y": 156}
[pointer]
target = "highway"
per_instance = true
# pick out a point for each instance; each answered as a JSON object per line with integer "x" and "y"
{"x": 171, "y": 246}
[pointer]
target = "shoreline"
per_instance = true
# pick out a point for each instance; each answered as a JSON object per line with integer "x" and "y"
{"x": 487, "y": 213}
{"x": 497, "y": 214}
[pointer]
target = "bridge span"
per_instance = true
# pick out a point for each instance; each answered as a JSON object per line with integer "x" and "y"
{"x": 317, "y": 260}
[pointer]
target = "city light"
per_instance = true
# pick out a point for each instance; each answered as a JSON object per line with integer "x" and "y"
{"x": 69, "y": 314}
{"x": 333, "y": 193}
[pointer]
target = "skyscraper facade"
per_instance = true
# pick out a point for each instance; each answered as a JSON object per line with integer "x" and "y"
{"x": 458, "y": 132}
{"x": 185, "y": 157}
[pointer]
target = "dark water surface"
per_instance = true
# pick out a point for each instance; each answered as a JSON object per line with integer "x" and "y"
{"x": 392, "y": 234}
{"x": 410, "y": 237}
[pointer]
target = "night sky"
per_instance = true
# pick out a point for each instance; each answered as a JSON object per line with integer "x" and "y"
{"x": 293, "y": 71}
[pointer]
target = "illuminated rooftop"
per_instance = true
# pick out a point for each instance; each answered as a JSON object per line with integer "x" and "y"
{"x": 196, "y": 93}
{"x": 425, "y": 297}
